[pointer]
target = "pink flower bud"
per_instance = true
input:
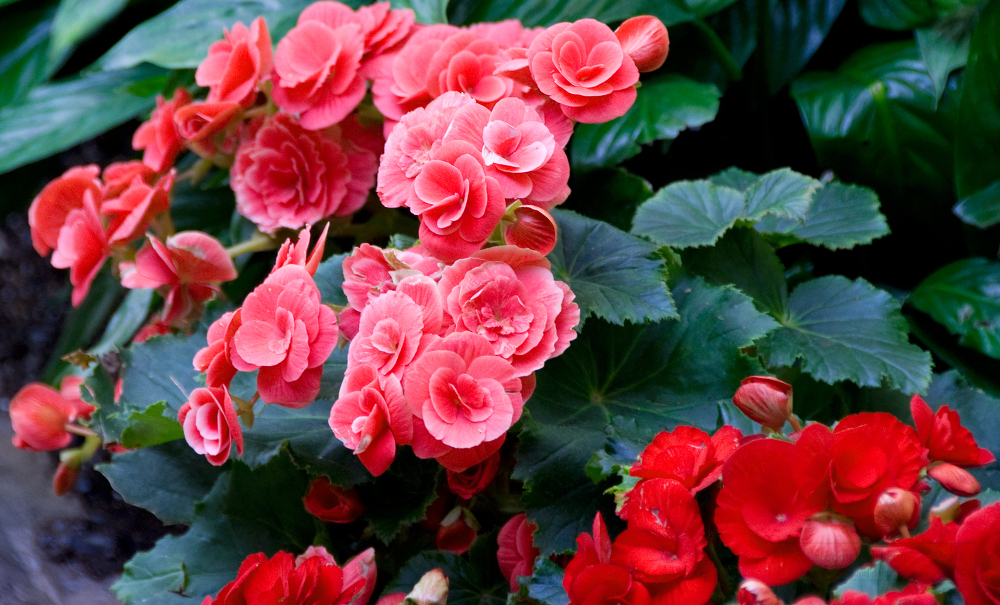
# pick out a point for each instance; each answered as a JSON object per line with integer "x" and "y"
{"x": 39, "y": 415}
{"x": 830, "y": 541}
{"x": 810, "y": 600}
{"x": 391, "y": 599}
{"x": 65, "y": 478}
{"x": 753, "y": 592}
{"x": 895, "y": 509}
{"x": 644, "y": 39}
{"x": 955, "y": 479}
{"x": 533, "y": 228}
{"x": 432, "y": 589}
{"x": 359, "y": 577}
{"x": 765, "y": 400}
{"x": 316, "y": 551}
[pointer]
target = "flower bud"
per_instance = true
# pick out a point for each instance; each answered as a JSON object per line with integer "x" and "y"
{"x": 391, "y": 599}
{"x": 810, "y": 600}
{"x": 752, "y": 592}
{"x": 946, "y": 510}
{"x": 895, "y": 510}
{"x": 457, "y": 531}
{"x": 332, "y": 504}
{"x": 65, "y": 478}
{"x": 765, "y": 400}
{"x": 531, "y": 227}
{"x": 644, "y": 39}
{"x": 432, "y": 589}
{"x": 830, "y": 541}
{"x": 359, "y": 577}
{"x": 316, "y": 551}
{"x": 39, "y": 415}
{"x": 954, "y": 479}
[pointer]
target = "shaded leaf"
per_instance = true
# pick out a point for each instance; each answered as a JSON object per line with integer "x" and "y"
{"x": 905, "y": 14}
{"x": 794, "y": 32}
{"x": 24, "y": 48}
{"x": 534, "y": 13}
{"x": 412, "y": 484}
{"x": 428, "y": 12}
{"x": 872, "y": 581}
{"x": 155, "y": 425}
{"x": 608, "y": 194}
{"x": 782, "y": 193}
{"x": 84, "y": 323}
{"x": 77, "y": 20}
{"x": 943, "y": 51}
{"x": 476, "y": 581}
{"x": 982, "y": 208}
{"x": 125, "y": 322}
{"x": 330, "y": 280}
{"x": 545, "y": 584}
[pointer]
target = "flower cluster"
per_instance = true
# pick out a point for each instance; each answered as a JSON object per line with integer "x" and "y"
{"x": 442, "y": 357}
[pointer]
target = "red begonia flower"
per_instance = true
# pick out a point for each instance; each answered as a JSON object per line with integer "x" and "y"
{"x": 591, "y": 579}
{"x": 688, "y": 455}
{"x": 474, "y": 479}
{"x": 330, "y": 503}
{"x": 977, "y": 557}
{"x": 944, "y": 437}
{"x": 516, "y": 553}
{"x": 928, "y": 557}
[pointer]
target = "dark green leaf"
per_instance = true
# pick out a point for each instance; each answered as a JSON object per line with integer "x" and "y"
{"x": 180, "y": 36}
{"x": 84, "y": 323}
{"x": 545, "y": 583}
{"x": 110, "y": 418}
{"x": 59, "y": 115}
{"x": 841, "y": 216}
{"x": 872, "y": 581}
{"x": 665, "y": 106}
{"x": 734, "y": 178}
{"x": 980, "y": 370}
{"x": 943, "y": 51}
{"x": 155, "y": 425}
{"x": 160, "y": 370}
{"x": 608, "y": 194}
{"x": 24, "y": 50}
{"x": 77, "y": 20}
{"x": 542, "y": 12}
{"x": 400, "y": 241}
{"x": 965, "y": 297}
{"x": 470, "y": 582}
{"x": 874, "y": 122}
{"x": 782, "y": 193}
{"x": 661, "y": 375}
{"x": 330, "y": 280}
{"x": 844, "y": 330}
{"x": 411, "y": 482}
{"x": 982, "y": 208}
{"x": 428, "y": 12}
{"x": 125, "y": 322}
{"x": 977, "y": 139}
{"x": 614, "y": 275}
{"x": 790, "y": 33}
{"x": 905, "y": 14}
{"x": 167, "y": 480}
{"x": 208, "y": 210}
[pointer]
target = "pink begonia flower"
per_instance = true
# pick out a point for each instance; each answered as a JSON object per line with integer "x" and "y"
{"x": 391, "y": 332}
{"x": 518, "y": 149}
{"x": 644, "y": 39}
{"x": 287, "y": 333}
{"x": 295, "y": 254}
{"x": 412, "y": 143}
{"x": 69, "y": 388}
{"x": 39, "y": 415}
{"x": 158, "y": 137}
{"x": 401, "y": 87}
{"x": 508, "y": 295}
{"x": 360, "y": 575}
{"x": 49, "y": 209}
{"x": 234, "y": 66}
{"x": 317, "y": 66}
{"x": 215, "y": 360}
{"x": 186, "y": 269}
{"x": 118, "y": 177}
{"x": 531, "y": 228}
{"x": 132, "y": 211}
{"x": 362, "y": 161}
{"x": 206, "y": 127}
{"x": 383, "y": 29}
{"x": 464, "y": 395}
{"x": 583, "y": 67}
{"x": 465, "y": 63}
{"x": 287, "y": 176}
{"x": 82, "y": 247}
{"x": 153, "y": 328}
{"x": 517, "y": 552}
{"x": 210, "y": 425}
{"x": 371, "y": 417}
{"x": 459, "y": 205}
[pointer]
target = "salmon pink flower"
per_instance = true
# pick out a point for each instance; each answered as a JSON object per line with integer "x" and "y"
{"x": 118, "y": 177}
{"x": 466, "y": 62}
{"x": 761, "y": 512}
{"x": 530, "y": 227}
{"x": 371, "y": 417}
{"x": 459, "y": 205}
{"x": 51, "y": 207}
{"x": 206, "y": 126}
{"x": 391, "y": 333}
{"x": 132, "y": 211}
{"x": 287, "y": 176}
{"x": 210, "y": 425}
{"x": 385, "y": 30}
{"x": 186, "y": 268}
{"x": 508, "y": 296}
{"x": 158, "y": 137}
{"x": 286, "y": 333}
{"x": 331, "y": 504}
{"x": 69, "y": 388}
{"x": 944, "y": 438}
{"x": 928, "y": 557}
{"x": 39, "y": 415}
{"x": 234, "y": 66}
{"x": 215, "y": 360}
{"x": 317, "y": 66}
{"x": 688, "y": 455}
{"x": 82, "y": 247}
{"x": 402, "y": 85}
{"x": 644, "y": 39}
{"x": 516, "y": 553}
{"x": 474, "y": 479}
{"x": 295, "y": 254}
{"x": 583, "y": 67}
{"x": 518, "y": 150}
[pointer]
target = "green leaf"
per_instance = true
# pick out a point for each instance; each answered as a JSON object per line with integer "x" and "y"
{"x": 982, "y": 208}
{"x": 110, "y": 418}
{"x": 84, "y": 323}
{"x": 876, "y": 121}
{"x": 412, "y": 484}
{"x": 789, "y": 33}
{"x": 167, "y": 479}
{"x": 180, "y": 36}
{"x": 125, "y": 322}
{"x": 872, "y": 581}
{"x": 160, "y": 370}
{"x": 978, "y": 369}
{"x": 207, "y": 210}
{"x": 428, "y": 12}
{"x": 977, "y": 139}
{"x": 24, "y": 50}
{"x": 330, "y": 280}
{"x": 545, "y": 584}
{"x": 615, "y": 276}
{"x": 246, "y": 512}
{"x": 608, "y": 194}
{"x": 847, "y": 330}
{"x": 943, "y": 51}
{"x": 906, "y": 14}
{"x": 476, "y": 581}
{"x": 77, "y": 20}
{"x": 534, "y": 13}
{"x": 662, "y": 375}
{"x": 59, "y": 115}
{"x": 665, "y": 105}
{"x": 965, "y": 297}
{"x": 155, "y": 425}
{"x": 697, "y": 213}
{"x": 840, "y": 217}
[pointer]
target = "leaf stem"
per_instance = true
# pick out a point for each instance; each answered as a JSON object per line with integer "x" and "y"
{"x": 720, "y": 51}
{"x": 256, "y": 243}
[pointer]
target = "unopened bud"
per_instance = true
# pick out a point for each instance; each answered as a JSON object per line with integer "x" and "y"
{"x": 830, "y": 540}
{"x": 946, "y": 510}
{"x": 765, "y": 400}
{"x": 753, "y": 592}
{"x": 810, "y": 600}
{"x": 644, "y": 39}
{"x": 954, "y": 479}
{"x": 359, "y": 576}
{"x": 896, "y": 510}
{"x": 432, "y": 589}
{"x": 530, "y": 227}
{"x": 65, "y": 478}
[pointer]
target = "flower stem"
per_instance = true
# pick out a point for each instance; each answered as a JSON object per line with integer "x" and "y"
{"x": 256, "y": 243}
{"x": 724, "y": 582}
{"x": 796, "y": 425}
{"x": 718, "y": 48}
{"x": 79, "y": 430}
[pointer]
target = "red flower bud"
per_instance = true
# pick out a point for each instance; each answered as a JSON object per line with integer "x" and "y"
{"x": 954, "y": 479}
{"x": 65, "y": 478}
{"x": 359, "y": 577}
{"x": 895, "y": 510}
{"x": 830, "y": 540}
{"x": 766, "y": 400}
{"x": 332, "y": 504}
{"x": 645, "y": 40}
{"x": 39, "y": 415}
{"x": 474, "y": 479}
{"x": 457, "y": 531}
{"x": 752, "y": 592}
